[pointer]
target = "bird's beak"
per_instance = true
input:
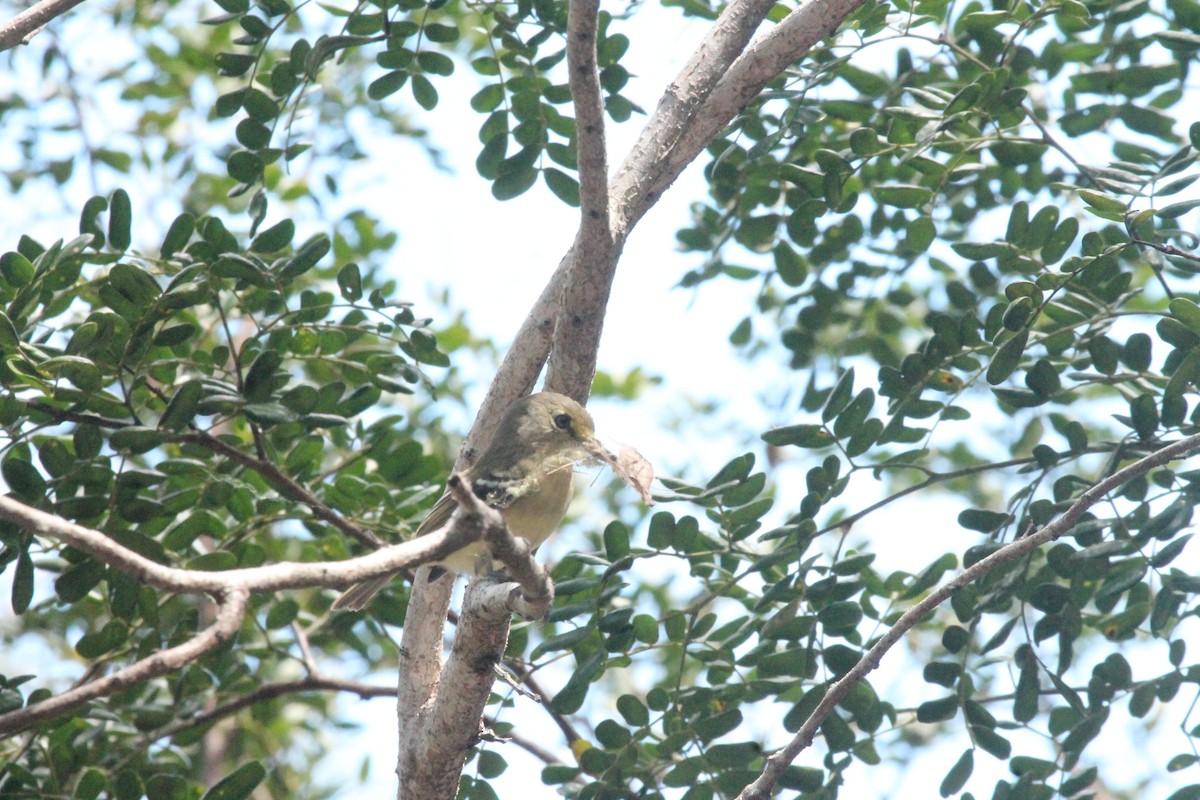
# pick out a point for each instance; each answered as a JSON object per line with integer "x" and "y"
{"x": 598, "y": 451}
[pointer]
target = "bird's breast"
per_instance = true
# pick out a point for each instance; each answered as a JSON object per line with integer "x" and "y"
{"x": 536, "y": 515}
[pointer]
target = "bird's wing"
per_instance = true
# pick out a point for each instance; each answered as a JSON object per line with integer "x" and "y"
{"x": 498, "y": 490}
{"x": 438, "y": 516}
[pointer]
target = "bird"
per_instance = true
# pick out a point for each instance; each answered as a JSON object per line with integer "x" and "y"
{"x": 525, "y": 473}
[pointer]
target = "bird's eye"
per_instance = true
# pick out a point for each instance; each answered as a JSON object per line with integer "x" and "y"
{"x": 562, "y": 421}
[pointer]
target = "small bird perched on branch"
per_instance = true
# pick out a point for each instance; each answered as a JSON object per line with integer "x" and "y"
{"x": 525, "y": 473}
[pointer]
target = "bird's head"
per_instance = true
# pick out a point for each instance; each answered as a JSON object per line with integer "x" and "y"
{"x": 555, "y": 421}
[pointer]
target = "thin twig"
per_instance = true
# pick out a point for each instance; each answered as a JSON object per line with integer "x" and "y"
{"x": 230, "y": 611}
{"x": 282, "y": 483}
{"x": 275, "y": 476}
{"x": 777, "y": 763}
{"x": 270, "y": 691}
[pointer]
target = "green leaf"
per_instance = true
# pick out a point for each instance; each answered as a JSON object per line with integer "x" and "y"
{"x": 178, "y": 235}
{"x": 840, "y": 396}
{"x": 423, "y": 92}
{"x": 564, "y": 187}
{"x": 269, "y": 413}
{"x": 938, "y": 710}
{"x": 1137, "y": 352}
{"x": 282, "y": 613}
{"x": 181, "y": 408}
{"x": 274, "y": 238}
{"x": 1005, "y": 362}
{"x": 991, "y": 742}
{"x": 306, "y": 257}
{"x": 240, "y": 268}
{"x": 1143, "y": 411}
{"x": 134, "y": 284}
{"x": 74, "y": 584}
{"x": 791, "y": 267}
{"x": 1186, "y": 311}
{"x": 17, "y": 270}
{"x": 387, "y": 84}
{"x": 958, "y": 775}
{"x": 716, "y": 726}
{"x": 22, "y": 589}
{"x": 491, "y": 764}
{"x": 238, "y": 784}
{"x": 855, "y": 414}
{"x": 807, "y": 436}
{"x": 982, "y": 520}
{"x": 120, "y": 221}
{"x": 259, "y": 105}
{"x": 514, "y": 183}
{"x": 244, "y": 166}
{"x": 1104, "y": 203}
{"x": 633, "y": 710}
{"x": 135, "y": 439}
{"x": 349, "y": 281}
{"x": 570, "y": 698}
{"x": 1025, "y": 701}
{"x": 23, "y": 478}
{"x": 259, "y": 380}
{"x": 903, "y": 195}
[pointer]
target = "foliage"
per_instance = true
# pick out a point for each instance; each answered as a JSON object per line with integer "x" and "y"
{"x": 999, "y": 222}
{"x": 941, "y": 250}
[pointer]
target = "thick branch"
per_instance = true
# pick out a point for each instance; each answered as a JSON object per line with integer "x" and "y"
{"x": 777, "y": 763}
{"x": 680, "y": 104}
{"x": 24, "y": 26}
{"x": 770, "y": 55}
{"x": 592, "y": 152}
{"x": 580, "y": 318}
{"x": 284, "y": 575}
{"x": 440, "y": 714}
{"x": 435, "y": 762}
{"x": 230, "y": 611}
{"x": 420, "y": 667}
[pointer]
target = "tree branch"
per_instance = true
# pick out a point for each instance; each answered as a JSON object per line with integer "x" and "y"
{"x": 580, "y": 318}
{"x": 533, "y": 593}
{"x": 452, "y": 725}
{"x": 592, "y": 152}
{"x": 777, "y": 763}
{"x": 579, "y": 286}
{"x": 231, "y": 587}
{"x": 24, "y": 26}
{"x": 230, "y": 610}
{"x": 680, "y": 103}
{"x": 764, "y": 60}
{"x": 283, "y": 484}
{"x": 283, "y": 575}
{"x": 438, "y": 727}
{"x": 270, "y": 691}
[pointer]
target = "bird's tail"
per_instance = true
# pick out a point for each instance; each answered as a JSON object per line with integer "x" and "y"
{"x": 357, "y": 596}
